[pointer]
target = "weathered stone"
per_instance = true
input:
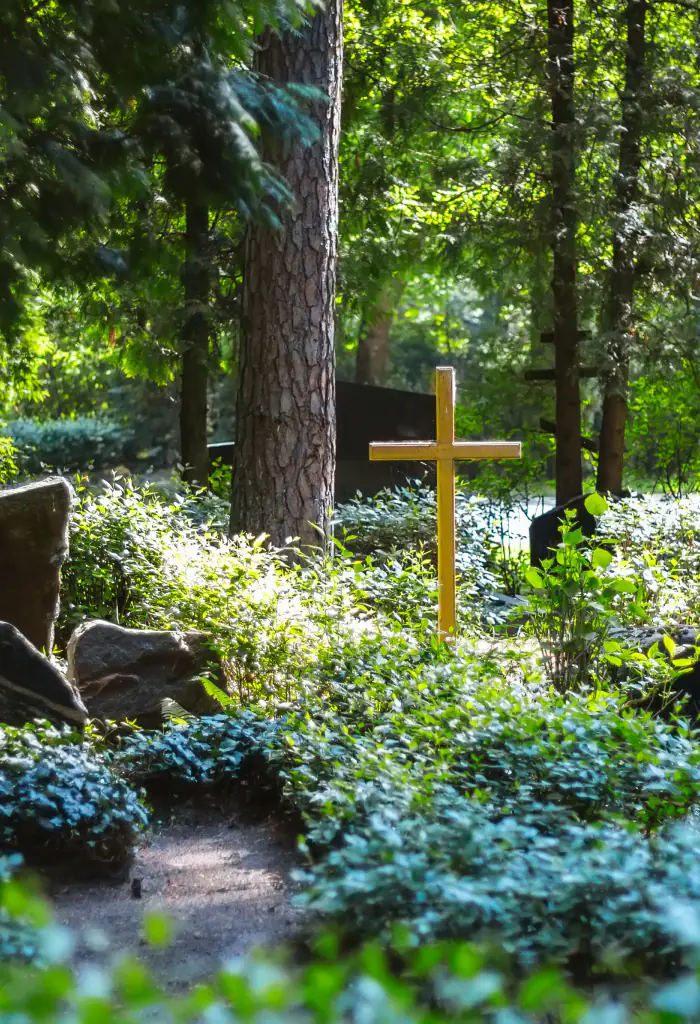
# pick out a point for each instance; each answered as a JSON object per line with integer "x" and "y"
{"x": 33, "y": 546}
{"x": 126, "y": 674}
{"x": 544, "y": 529}
{"x": 31, "y": 686}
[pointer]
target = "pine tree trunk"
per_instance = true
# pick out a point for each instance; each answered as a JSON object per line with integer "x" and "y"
{"x": 560, "y": 64}
{"x": 619, "y": 316}
{"x": 284, "y": 461}
{"x": 195, "y": 352}
{"x": 375, "y": 335}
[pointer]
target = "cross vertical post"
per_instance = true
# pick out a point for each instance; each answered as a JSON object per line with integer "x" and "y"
{"x": 445, "y": 451}
{"x": 447, "y": 589}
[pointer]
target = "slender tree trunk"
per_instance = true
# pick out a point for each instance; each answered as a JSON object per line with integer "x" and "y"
{"x": 560, "y": 64}
{"x": 619, "y": 316}
{"x": 284, "y": 461}
{"x": 195, "y": 352}
{"x": 375, "y": 335}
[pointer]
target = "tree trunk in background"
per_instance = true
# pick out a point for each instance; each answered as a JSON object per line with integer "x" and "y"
{"x": 560, "y": 65}
{"x": 375, "y": 335}
{"x": 619, "y": 317}
{"x": 195, "y": 353}
{"x": 284, "y": 458}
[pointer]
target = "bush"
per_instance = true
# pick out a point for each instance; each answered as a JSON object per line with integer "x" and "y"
{"x": 8, "y": 461}
{"x": 141, "y": 560}
{"x": 452, "y": 792}
{"x": 451, "y": 806}
{"x": 18, "y": 930}
{"x": 204, "y": 751}
{"x": 61, "y": 804}
{"x": 377, "y": 984}
{"x": 663, "y": 435}
{"x": 70, "y": 445}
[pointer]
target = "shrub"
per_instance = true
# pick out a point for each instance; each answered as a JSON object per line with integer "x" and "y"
{"x": 452, "y": 792}
{"x": 439, "y": 983}
{"x": 60, "y": 803}
{"x": 18, "y": 929}
{"x": 663, "y": 436}
{"x": 204, "y": 751}
{"x": 70, "y": 445}
{"x": 8, "y": 461}
{"x": 140, "y": 559}
{"x": 456, "y": 808}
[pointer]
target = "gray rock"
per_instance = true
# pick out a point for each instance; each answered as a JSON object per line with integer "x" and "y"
{"x": 31, "y": 686}
{"x": 33, "y": 546}
{"x": 126, "y": 674}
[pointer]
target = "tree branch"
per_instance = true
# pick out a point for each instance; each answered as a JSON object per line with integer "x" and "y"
{"x": 468, "y": 131}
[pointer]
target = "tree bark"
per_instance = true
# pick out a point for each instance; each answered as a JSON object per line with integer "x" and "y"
{"x": 375, "y": 335}
{"x": 284, "y": 460}
{"x": 194, "y": 376}
{"x": 618, "y": 320}
{"x": 560, "y": 65}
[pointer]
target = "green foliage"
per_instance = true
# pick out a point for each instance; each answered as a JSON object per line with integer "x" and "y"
{"x": 457, "y": 805}
{"x": 398, "y": 529}
{"x": 442, "y": 982}
{"x": 576, "y": 600}
{"x": 206, "y": 751}
{"x": 138, "y": 558}
{"x": 70, "y": 445}
{"x": 60, "y": 803}
{"x": 8, "y": 461}
{"x": 664, "y": 436}
{"x": 20, "y": 916}
{"x": 449, "y": 793}
{"x": 657, "y": 539}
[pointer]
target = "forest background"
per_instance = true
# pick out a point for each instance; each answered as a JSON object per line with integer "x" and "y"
{"x": 132, "y": 222}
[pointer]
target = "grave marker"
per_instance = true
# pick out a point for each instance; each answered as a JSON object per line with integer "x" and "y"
{"x": 445, "y": 451}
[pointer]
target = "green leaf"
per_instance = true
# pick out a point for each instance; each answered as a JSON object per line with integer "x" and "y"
{"x": 601, "y": 558}
{"x": 217, "y": 693}
{"x": 624, "y": 587}
{"x": 670, "y": 645}
{"x": 572, "y": 537}
{"x": 596, "y": 504}
{"x": 534, "y": 578}
{"x": 157, "y": 928}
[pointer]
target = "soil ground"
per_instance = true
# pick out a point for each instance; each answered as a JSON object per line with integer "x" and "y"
{"x": 223, "y": 882}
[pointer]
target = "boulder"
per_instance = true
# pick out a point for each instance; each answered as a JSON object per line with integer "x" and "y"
{"x": 126, "y": 674}
{"x": 33, "y": 687}
{"x": 33, "y": 546}
{"x": 544, "y": 529}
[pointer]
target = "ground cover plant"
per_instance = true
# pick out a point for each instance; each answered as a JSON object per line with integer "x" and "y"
{"x": 61, "y": 803}
{"x": 469, "y": 794}
{"x": 440, "y": 982}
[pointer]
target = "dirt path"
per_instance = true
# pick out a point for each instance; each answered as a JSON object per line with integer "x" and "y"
{"x": 224, "y": 884}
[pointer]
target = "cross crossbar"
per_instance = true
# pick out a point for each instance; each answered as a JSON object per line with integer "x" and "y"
{"x": 445, "y": 451}
{"x": 460, "y": 451}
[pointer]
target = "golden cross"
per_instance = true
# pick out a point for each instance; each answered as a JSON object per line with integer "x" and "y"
{"x": 445, "y": 451}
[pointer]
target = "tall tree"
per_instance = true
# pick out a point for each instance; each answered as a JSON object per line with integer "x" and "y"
{"x": 375, "y": 333}
{"x": 284, "y": 464}
{"x": 194, "y": 373}
{"x": 560, "y": 66}
{"x": 618, "y": 314}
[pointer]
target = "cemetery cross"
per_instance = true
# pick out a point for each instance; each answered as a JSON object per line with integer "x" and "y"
{"x": 445, "y": 451}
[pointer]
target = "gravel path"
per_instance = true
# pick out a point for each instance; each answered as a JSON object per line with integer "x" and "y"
{"x": 223, "y": 883}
